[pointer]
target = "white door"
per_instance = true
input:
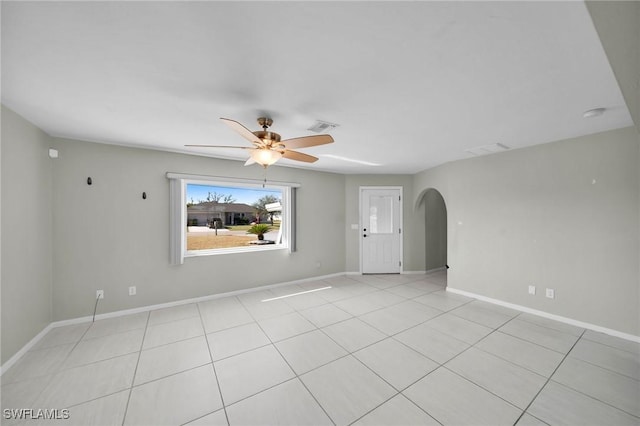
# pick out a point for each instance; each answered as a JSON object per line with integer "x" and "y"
{"x": 380, "y": 230}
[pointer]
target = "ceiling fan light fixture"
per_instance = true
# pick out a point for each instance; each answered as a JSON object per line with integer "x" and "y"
{"x": 265, "y": 157}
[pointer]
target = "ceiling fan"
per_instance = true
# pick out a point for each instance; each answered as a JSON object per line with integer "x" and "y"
{"x": 268, "y": 147}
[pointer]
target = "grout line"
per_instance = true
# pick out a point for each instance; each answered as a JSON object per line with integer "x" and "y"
{"x": 215, "y": 373}
{"x": 550, "y": 376}
{"x": 594, "y": 398}
{"x": 135, "y": 371}
{"x": 296, "y": 376}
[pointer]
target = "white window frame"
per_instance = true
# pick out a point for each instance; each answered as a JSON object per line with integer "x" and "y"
{"x": 178, "y": 214}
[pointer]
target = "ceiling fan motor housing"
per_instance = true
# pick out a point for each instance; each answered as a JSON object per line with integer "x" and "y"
{"x": 267, "y": 136}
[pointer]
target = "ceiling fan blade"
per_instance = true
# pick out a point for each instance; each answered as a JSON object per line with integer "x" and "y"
{"x": 307, "y": 141}
{"x": 243, "y": 131}
{"x": 222, "y": 146}
{"x": 298, "y": 156}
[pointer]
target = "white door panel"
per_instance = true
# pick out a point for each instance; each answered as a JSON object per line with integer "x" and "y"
{"x": 381, "y": 230}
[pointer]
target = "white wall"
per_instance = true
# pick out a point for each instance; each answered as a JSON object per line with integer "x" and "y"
{"x": 107, "y": 237}
{"x": 413, "y": 217}
{"x": 534, "y": 216}
{"x": 26, "y": 232}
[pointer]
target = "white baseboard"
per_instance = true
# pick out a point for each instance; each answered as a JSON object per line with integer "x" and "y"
{"x": 7, "y": 365}
{"x": 544, "y": 314}
{"x": 11, "y": 361}
{"x": 434, "y": 270}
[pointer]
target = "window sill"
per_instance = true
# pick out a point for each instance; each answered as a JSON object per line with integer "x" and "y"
{"x": 234, "y": 250}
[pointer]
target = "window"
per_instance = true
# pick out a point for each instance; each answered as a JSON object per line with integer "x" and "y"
{"x": 211, "y": 215}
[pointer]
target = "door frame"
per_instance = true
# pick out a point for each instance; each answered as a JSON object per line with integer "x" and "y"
{"x": 361, "y": 190}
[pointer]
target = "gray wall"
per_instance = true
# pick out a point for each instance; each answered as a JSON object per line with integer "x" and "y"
{"x": 435, "y": 229}
{"x": 413, "y": 218}
{"x": 534, "y": 216}
{"x": 107, "y": 237}
{"x": 26, "y": 232}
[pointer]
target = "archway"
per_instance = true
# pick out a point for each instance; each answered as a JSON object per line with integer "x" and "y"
{"x": 435, "y": 232}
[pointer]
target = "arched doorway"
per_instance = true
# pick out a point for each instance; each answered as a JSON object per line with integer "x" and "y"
{"x": 435, "y": 232}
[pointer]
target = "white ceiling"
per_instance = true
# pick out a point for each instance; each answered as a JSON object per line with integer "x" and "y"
{"x": 412, "y": 84}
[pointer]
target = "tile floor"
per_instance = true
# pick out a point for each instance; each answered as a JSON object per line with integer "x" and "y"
{"x": 371, "y": 350}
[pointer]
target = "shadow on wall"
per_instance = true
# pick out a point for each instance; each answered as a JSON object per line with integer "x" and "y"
{"x": 435, "y": 229}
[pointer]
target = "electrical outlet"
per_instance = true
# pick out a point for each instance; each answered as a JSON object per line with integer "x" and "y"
{"x": 99, "y": 294}
{"x": 532, "y": 290}
{"x": 550, "y": 293}
{"x": 132, "y": 290}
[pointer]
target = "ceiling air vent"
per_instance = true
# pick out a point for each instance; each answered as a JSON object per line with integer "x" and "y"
{"x": 487, "y": 149}
{"x": 322, "y": 126}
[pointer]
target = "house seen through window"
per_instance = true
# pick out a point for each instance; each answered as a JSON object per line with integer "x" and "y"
{"x": 228, "y": 217}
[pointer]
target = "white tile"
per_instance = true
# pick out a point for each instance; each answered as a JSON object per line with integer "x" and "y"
{"x": 286, "y": 290}
{"x": 357, "y": 305}
{"x": 217, "y": 418}
{"x": 108, "y": 326}
{"x": 459, "y": 328}
{"x": 236, "y": 340}
{"x": 62, "y": 336}
{"x": 529, "y": 420}
{"x": 173, "y": 331}
{"x": 440, "y": 301}
{"x": 396, "y": 363}
{"x": 305, "y": 301}
{"x": 559, "y": 405}
{"x": 353, "y": 334}
{"x": 454, "y": 296}
{"x": 175, "y": 399}
{"x": 477, "y": 314}
{"x": 383, "y": 298}
{"x": 612, "y": 388}
{"x": 101, "y": 348}
{"x": 169, "y": 359}
{"x": 23, "y": 393}
{"x": 325, "y": 315}
{"x": 285, "y": 326}
{"x": 175, "y": 313}
{"x": 493, "y": 307}
{"x": 354, "y": 288}
{"x": 616, "y": 342}
{"x": 406, "y": 291}
{"x": 251, "y": 372}
{"x": 220, "y": 314}
{"x": 286, "y": 404}
{"x": 426, "y": 286}
{"x": 310, "y": 350}
{"x": 108, "y": 410}
{"x": 257, "y": 296}
{"x": 543, "y": 336}
{"x": 432, "y": 343}
{"x": 334, "y": 294}
{"x": 263, "y": 310}
{"x": 500, "y": 377}
{"x": 81, "y": 384}
{"x": 37, "y": 363}
{"x": 346, "y": 389}
{"x": 450, "y": 399}
{"x": 402, "y": 316}
{"x": 397, "y": 411}
{"x": 374, "y": 281}
{"x": 552, "y": 324}
{"x": 521, "y": 352}
{"x": 608, "y": 357}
